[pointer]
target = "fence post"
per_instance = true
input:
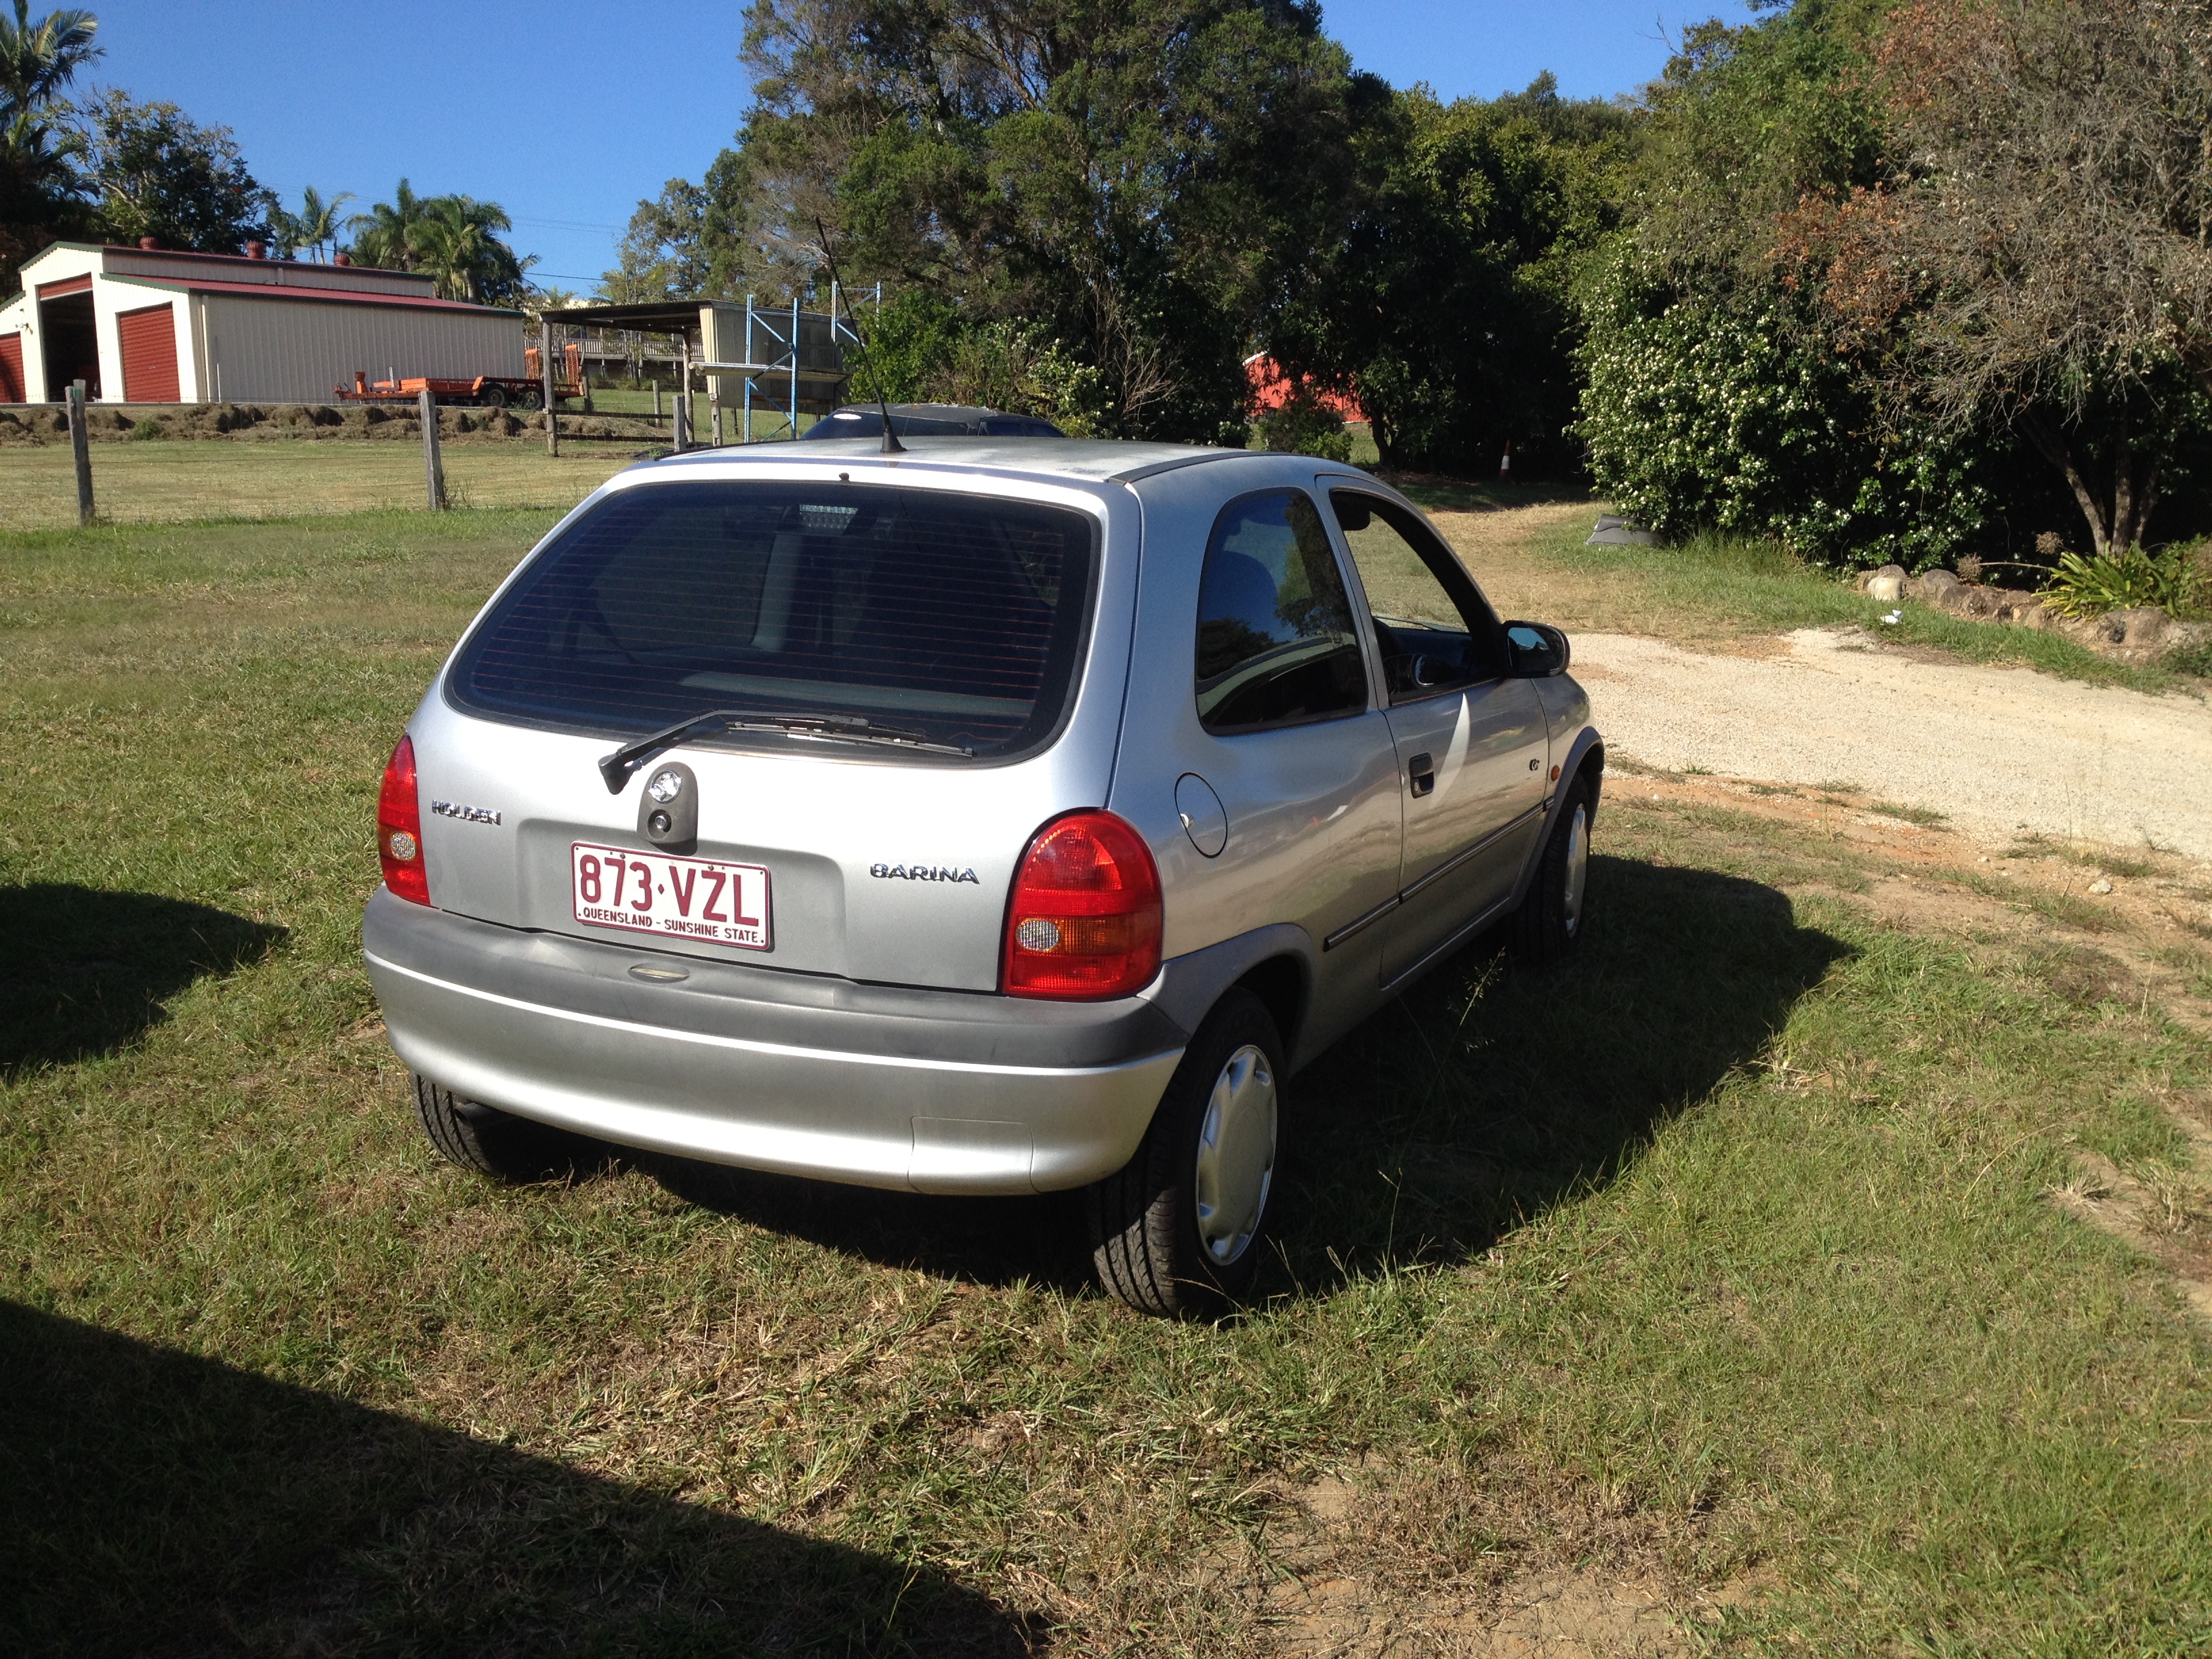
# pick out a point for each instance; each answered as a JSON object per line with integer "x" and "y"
{"x": 81, "y": 448}
{"x": 434, "y": 473}
{"x": 656, "y": 400}
{"x": 545, "y": 369}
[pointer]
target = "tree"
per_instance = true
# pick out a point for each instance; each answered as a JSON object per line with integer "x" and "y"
{"x": 42, "y": 195}
{"x": 1443, "y": 304}
{"x": 383, "y": 236}
{"x": 451, "y": 238}
{"x": 2040, "y": 249}
{"x": 38, "y": 60}
{"x": 315, "y": 226}
{"x": 156, "y": 172}
{"x": 1717, "y": 395}
{"x": 1140, "y": 180}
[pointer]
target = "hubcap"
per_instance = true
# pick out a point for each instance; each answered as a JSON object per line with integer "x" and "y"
{"x": 1577, "y": 869}
{"x": 1236, "y": 1155}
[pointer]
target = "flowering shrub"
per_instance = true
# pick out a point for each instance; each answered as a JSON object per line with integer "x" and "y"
{"x": 1702, "y": 417}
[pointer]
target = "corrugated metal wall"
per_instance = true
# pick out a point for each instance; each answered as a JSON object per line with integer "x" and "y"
{"x": 299, "y": 350}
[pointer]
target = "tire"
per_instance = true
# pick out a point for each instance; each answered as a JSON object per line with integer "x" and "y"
{"x": 1549, "y": 924}
{"x": 529, "y": 398}
{"x": 1180, "y": 1229}
{"x": 493, "y": 397}
{"x": 505, "y": 1148}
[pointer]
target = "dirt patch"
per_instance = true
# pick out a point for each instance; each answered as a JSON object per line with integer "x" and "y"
{"x": 1998, "y": 750}
{"x": 1389, "y": 1562}
{"x": 2165, "y": 1216}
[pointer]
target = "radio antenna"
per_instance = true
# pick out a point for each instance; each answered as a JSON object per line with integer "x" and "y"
{"x": 891, "y": 444}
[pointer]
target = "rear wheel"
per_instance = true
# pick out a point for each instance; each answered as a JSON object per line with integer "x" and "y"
{"x": 1549, "y": 924}
{"x": 489, "y": 1142}
{"x": 1179, "y": 1230}
{"x": 530, "y": 397}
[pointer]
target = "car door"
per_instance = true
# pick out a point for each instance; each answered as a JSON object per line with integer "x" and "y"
{"x": 1472, "y": 741}
{"x": 1283, "y": 770}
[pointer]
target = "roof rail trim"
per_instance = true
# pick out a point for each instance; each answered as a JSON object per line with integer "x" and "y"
{"x": 1155, "y": 468}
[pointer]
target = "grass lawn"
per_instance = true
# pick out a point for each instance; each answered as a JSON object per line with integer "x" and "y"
{"x": 183, "y": 480}
{"x": 1713, "y": 592}
{"x": 1724, "y": 1262}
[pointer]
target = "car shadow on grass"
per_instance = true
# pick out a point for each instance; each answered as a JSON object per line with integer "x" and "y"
{"x": 85, "y": 971}
{"x": 1473, "y": 1103}
{"x": 1489, "y": 1091}
{"x": 153, "y": 1502}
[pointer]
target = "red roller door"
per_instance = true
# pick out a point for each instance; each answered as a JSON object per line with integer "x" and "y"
{"x": 11, "y": 368}
{"x": 150, "y": 354}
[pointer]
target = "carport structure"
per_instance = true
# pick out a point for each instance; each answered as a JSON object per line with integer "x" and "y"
{"x": 789, "y": 362}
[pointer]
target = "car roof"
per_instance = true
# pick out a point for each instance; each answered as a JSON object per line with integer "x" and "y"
{"x": 1089, "y": 460}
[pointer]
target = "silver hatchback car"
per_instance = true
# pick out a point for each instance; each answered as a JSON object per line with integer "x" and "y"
{"x": 991, "y": 817}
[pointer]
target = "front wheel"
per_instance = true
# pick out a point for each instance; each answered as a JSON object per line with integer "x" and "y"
{"x": 1549, "y": 924}
{"x": 1179, "y": 1230}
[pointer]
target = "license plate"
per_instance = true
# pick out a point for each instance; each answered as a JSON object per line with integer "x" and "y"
{"x": 700, "y": 899}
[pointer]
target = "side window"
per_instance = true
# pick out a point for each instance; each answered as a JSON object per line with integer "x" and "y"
{"x": 1276, "y": 645}
{"x": 1432, "y": 628}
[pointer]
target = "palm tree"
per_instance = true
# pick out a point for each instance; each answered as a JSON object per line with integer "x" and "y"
{"x": 37, "y": 60}
{"x": 314, "y": 226}
{"x": 453, "y": 242}
{"x": 384, "y": 234}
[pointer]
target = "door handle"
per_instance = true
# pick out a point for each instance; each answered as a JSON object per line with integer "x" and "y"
{"x": 1421, "y": 775}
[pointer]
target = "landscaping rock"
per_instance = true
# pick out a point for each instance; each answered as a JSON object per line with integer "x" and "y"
{"x": 2145, "y": 625}
{"x": 1937, "y": 586}
{"x": 1613, "y": 531}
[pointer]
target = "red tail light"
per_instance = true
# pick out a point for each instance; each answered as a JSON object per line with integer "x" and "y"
{"x": 399, "y": 828}
{"x": 1085, "y": 921}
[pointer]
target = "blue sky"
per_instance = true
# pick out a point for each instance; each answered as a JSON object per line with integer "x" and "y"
{"x": 566, "y": 113}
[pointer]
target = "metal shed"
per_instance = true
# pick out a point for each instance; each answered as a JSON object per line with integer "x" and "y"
{"x": 151, "y": 325}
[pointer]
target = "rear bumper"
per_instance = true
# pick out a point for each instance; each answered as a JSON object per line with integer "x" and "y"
{"x": 885, "y": 1086}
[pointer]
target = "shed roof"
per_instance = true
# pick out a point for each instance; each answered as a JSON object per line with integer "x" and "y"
{"x": 216, "y": 258}
{"x": 345, "y": 296}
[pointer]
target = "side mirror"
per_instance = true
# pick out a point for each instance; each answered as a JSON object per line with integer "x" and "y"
{"x": 1537, "y": 650}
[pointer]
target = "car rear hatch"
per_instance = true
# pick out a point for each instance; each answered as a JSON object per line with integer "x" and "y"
{"x": 922, "y": 667}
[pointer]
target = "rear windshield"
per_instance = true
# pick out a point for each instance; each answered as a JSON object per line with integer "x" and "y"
{"x": 957, "y": 617}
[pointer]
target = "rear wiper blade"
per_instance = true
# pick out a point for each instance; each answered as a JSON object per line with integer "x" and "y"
{"x": 618, "y": 767}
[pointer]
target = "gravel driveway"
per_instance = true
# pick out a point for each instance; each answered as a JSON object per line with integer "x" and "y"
{"x": 1996, "y": 750}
